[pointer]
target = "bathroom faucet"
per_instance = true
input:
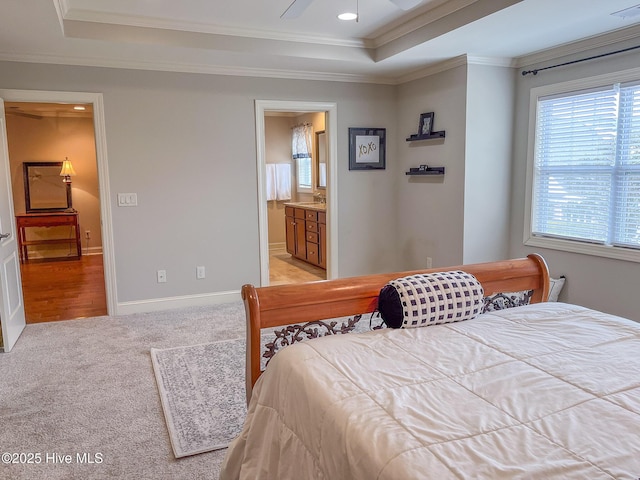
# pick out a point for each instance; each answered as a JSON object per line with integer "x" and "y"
{"x": 321, "y": 198}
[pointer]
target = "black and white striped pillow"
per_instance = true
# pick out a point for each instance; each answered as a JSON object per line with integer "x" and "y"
{"x": 430, "y": 299}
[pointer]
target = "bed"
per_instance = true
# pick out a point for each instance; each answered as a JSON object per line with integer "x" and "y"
{"x": 538, "y": 390}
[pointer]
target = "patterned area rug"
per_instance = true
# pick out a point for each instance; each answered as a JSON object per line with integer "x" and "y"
{"x": 203, "y": 394}
{"x": 202, "y": 387}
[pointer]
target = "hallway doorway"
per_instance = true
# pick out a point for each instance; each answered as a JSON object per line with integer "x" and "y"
{"x": 59, "y": 279}
{"x": 62, "y": 279}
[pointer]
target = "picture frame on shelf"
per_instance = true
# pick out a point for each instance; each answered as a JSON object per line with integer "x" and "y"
{"x": 425, "y": 127}
{"x": 367, "y": 148}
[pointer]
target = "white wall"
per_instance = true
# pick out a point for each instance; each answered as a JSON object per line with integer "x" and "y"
{"x": 595, "y": 282}
{"x": 430, "y": 216}
{"x": 488, "y": 149}
{"x": 185, "y": 143}
{"x": 462, "y": 217}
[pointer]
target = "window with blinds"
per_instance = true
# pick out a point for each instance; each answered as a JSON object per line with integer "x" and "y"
{"x": 586, "y": 167}
{"x": 303, "y": 173}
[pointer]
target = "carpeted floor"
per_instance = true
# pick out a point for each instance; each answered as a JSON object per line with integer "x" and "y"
{"x": 83, "y": 392}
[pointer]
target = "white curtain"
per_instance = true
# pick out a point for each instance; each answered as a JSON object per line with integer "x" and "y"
{"x": 301, "y": 141}
{"x": 301, "y": 150}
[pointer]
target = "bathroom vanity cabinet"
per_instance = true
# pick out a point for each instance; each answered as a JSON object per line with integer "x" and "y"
{"x": 306, "y": 231}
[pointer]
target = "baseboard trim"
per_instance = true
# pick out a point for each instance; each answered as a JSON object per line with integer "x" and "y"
{"x": 277, "y": 246}
{"x": 158, "y": 304}
{"x": 36, "y": 255}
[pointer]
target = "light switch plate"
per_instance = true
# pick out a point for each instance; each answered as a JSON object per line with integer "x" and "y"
{"x": 200, "y": 273}
{"x": 127, "y": 199}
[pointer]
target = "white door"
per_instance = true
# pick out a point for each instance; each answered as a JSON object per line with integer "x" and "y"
{"x": 11, "y": 305}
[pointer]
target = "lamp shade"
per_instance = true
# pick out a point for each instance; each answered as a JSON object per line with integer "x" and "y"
{"x": 67, "y": 169}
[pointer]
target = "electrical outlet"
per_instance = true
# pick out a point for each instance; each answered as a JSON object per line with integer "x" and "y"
{"x": 200, "y": 273}
{"x": 429, "y": 262}
{"x": 87, "y": 234}
{"x": 162, "y": 276}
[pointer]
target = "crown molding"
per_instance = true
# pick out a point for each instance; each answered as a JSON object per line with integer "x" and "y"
{"x": 138, "y": 21}
{"x": 491, "y": 61}
{"x": 61, "y": 7}
{"x": 453, "y": 63}
{"x": 429, "y": 15}
{"x": 433, "y": 69}
{"x": 260, "y": 72}
{"x": 198, "y": 68}
{"x": 451, "y": 16}
{"x": 597, "y": 41}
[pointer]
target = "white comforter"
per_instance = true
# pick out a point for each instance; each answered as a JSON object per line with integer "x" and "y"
{"x": 543, "y": 391}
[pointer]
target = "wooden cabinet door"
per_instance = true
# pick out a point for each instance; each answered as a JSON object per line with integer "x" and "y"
{"x": 290, "y": 228}
{"x": 301, "y": 240}
{"x": 322, "y": 240}
{"x": 312, "y": 253}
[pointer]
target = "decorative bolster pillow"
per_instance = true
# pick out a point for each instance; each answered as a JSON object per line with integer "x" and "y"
{"x": 430, "y": 299}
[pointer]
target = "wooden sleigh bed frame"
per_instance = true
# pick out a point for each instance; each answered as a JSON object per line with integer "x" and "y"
{"x": 282, "y": 305}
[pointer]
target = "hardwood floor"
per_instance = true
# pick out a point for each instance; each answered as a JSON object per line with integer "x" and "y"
{"x": 70, "y": 289}
{"x": 283, "y": 269}
{"x": 63, "y": 289}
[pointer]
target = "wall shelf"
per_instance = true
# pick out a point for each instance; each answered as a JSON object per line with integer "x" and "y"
{"x": 425, "y": 170}
{"x": 432, "y": 136}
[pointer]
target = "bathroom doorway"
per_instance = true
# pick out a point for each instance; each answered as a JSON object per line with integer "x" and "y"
{"x": 308, "y": 207}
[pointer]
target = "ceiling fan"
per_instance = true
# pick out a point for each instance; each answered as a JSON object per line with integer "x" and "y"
{"x": 17, "y": 113}
{"x": 298, "y": 6}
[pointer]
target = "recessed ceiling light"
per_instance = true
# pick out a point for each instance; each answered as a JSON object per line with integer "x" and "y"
{"x": 347, "y": 16}
{"x": 80, "y": 108}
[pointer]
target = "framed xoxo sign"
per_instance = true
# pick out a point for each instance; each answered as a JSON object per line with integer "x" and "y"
{"x": 367, "y": 148}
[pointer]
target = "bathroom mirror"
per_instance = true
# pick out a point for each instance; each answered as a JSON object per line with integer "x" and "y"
{"x": 321, "y": 159}
{"x": 44, "y": 190}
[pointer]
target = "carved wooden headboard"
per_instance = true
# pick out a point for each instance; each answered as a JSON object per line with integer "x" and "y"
{"x": 279, "y": 305}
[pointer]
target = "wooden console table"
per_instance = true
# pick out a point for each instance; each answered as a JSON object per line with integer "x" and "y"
{"x": 50, "y": 219}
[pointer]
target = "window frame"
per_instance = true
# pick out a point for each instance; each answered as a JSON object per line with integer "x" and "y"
{"x": 575, "y": 246}
{"x": 300, "y": 188}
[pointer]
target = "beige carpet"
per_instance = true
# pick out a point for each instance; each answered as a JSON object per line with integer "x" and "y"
{"x": 78, "y": 388}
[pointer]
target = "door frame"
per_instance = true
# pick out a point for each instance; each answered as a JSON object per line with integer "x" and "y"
{"x": 96, "y": 99}
{"x": 331, "y": 127}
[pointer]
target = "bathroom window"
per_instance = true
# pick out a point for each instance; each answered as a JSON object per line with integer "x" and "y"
{"x": 301, "y": 148}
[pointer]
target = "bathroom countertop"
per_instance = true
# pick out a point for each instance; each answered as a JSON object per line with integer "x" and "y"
{"x": 308, "y": 205}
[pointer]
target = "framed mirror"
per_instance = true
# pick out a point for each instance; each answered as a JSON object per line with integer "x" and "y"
{"x": 321, "y": 159}
{"x": 44, "y": 190}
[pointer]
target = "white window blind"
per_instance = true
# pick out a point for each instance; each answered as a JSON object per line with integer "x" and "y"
{"x": 586, "y": 184}
{"x": 303, "y": 173}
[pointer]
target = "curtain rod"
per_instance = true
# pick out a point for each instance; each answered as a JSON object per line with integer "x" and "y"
{"x": 535, "y": 71}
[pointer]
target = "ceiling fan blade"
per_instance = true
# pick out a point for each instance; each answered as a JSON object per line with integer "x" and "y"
{"x": 23, "y": 114}
{"x": 296, "y": 8}
{"x": 406, "y": 4}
